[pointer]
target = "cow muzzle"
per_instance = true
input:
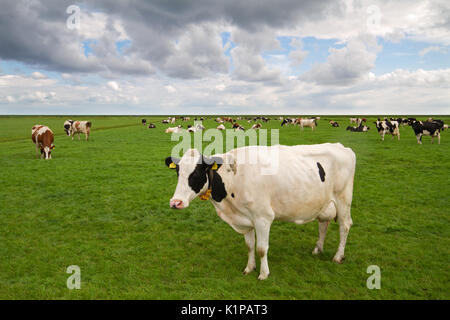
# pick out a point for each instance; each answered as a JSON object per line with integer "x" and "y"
{"x": 176, "y": 204}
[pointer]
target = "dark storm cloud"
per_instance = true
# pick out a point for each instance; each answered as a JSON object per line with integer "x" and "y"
{"x": 178, "y": 37}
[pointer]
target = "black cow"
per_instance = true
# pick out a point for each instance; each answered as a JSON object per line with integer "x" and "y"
{"x": 144, "y": 121}
{"x": 431, "y": 129}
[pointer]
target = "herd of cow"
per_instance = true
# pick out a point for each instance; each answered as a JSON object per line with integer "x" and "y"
{"x": 312, "y": 182}
{"x": 43, "y": 137}
{"x": 430, "y": 127}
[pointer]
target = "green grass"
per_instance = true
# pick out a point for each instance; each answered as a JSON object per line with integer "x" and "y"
{"x": 103, "y": 205}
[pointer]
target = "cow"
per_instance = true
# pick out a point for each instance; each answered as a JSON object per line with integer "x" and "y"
{"x": 426, "y": 128}
{"x": 220, "y": 127}
{"x": 237, "y": 126}
{"x": 43, "y": 138}
{"x": 151, "y": 126}
{"x": 360, "y": 128}
{"x": 334, "y": 124}
{"x": 287, "y": 121}
{"x": 386, "y": 126}
{"x": 144, "y": 121}
{"x": 311, "y": 182}
{"x": 71, "y": 127}
{"x": 176, "y": 129}
{"x": 256, "y": 126}
{"x": 307, "y": 123}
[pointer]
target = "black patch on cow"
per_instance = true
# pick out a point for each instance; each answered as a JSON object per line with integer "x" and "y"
{"x": 218, "y": 191}
{"x": 198, "y": 177}
{"x": 321, "y": 172}
{"x": 232, "y": 195}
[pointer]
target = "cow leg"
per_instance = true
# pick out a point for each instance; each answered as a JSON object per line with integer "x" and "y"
{"x": 345, "y": 222}
{"x": 250, "y": 242}
{"x": 439, "y": 138}
{"x": 262, "y": 228}
{"x": 323, "y": 226}
{"x": 419, "y": 139}
{"x": 79, "y": 136}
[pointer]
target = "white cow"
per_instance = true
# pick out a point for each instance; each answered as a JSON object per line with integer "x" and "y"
{"x": 176, "y": 129}
{"x": 311, "y": 182}
{"x": 220, "y": 127}
{"x": 307, "y": 123}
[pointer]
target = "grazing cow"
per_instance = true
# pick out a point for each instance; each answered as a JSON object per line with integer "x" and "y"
{"x": 165, "y": 121}
{"x": 426, "y": 128}
{"x": 311, "y": 182}
{"x": 256, "y": 126}
{"x": 221, "y": 127}
{"x": 307, "y": 123}
{"x": 144, "y": 121}
{"x": 176, "y": 129}
{"x": 237, "y": 126}
{"x": 387, "y": 126}
{"x": 43, "y": 138}
{"x": 151, "y": 126}
{"x": 360, "y": 128}
{"x": 71, "y": 127}
{"x": 334, "y": 124}
{"x": 287, "y": 121}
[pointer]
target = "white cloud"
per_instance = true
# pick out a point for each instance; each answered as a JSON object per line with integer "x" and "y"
{"x": 170, "y": 89}
{"x": 427, "y": 50}
{"x": 37, "y": 75}
{"x": 113, "y": 85}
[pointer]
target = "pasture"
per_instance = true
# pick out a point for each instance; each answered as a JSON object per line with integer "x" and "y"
{"x": 104, "y": 205}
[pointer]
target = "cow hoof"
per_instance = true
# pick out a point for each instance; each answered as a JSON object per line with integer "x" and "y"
{"x": 338, "y": 260}
{"x": 247, "y": 270}
{"x": 263, "y": 276}
{"x": 317, "y": 250}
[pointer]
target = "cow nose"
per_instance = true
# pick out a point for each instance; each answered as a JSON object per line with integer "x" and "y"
{"x": 176, "y": 204}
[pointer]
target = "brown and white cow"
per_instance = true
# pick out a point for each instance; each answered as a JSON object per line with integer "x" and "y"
{"x": 71, "y": 127}
{"x": 43, "y": 138}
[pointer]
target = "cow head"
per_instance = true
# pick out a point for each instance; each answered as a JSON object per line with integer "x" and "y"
{"x": 194, "y": 172}
{"x": 68, "y": 126}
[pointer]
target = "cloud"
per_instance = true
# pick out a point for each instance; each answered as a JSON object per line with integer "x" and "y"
{"x": 170, "y": 89}
{"x": 113, "y": 85}
{"x": 37, "y": 75}
{"x": 427, "y": 50}
{"x": 344, "y": 66}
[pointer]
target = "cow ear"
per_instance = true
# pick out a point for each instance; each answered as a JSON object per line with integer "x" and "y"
{"x": 172, "y": 162}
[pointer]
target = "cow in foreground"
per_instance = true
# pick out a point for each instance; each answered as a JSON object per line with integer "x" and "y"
{"x": 71, "y": 127}
{"x": 431, "y": 129}
{"x": 312, "y": 182}
{"x": 43, "y": 138}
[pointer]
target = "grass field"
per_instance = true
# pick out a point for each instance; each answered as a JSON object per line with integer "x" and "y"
{"x": 104, "y": 205}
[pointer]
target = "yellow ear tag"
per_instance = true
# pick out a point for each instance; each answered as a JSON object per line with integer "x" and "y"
{"x": 206, "y": 195}
{"x": 172, "y": 165}
{"x": 214, "y": 167}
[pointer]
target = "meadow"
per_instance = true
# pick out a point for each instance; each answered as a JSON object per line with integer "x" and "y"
{"x": 104, "y": 205}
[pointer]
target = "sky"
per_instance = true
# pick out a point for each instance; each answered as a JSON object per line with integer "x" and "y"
{"x": 224, "y": 57}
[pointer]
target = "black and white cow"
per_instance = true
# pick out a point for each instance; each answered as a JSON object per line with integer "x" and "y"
{"x": 334, "y": 124}
{"x": 426, "y": 128}
{"x": 386, "y": 126}
{"x": 360, "y": 128}
{"x": 309, "y": 182}
{"x": 144, "y": 121}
